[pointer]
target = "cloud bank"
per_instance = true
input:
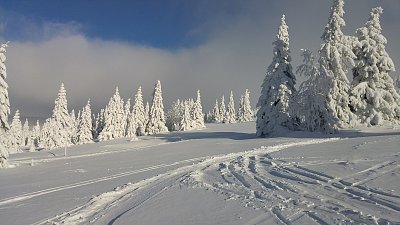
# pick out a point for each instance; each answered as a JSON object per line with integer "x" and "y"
{"x": 237, "y": 48}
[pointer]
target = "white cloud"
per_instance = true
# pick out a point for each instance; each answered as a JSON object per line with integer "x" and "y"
{"x": 234, "y": 56}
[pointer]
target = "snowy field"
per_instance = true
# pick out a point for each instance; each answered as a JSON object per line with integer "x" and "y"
{"x": 219, "y": 175}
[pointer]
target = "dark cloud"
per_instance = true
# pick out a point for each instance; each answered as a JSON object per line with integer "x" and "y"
{"x": 236, "y": 49}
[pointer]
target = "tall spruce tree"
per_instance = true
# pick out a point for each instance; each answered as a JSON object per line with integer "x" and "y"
{"x": 277, "y": 88}
{"x": 85, "y": 130}
{"x": 231, "y": 112}
{"x": 335, "y": 58}
{"x": 198, "y": 116}
{"x": 113, "y": 119}
{"x": 4, "y": 106}
{"x": 156, "y": 123}
{"x": 14, "y": 135}
{"x": 138, "y": 116}
{"x": 374, "y": 98}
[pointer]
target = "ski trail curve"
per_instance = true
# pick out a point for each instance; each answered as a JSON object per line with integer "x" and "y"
{"x": 99, "y": 207}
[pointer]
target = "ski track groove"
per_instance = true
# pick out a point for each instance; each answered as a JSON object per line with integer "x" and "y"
{"x": 85, "y": 212}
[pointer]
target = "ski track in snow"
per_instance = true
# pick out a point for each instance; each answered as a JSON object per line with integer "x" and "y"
{"x": 227, "y": 174}
{"x": 30, "y": 195}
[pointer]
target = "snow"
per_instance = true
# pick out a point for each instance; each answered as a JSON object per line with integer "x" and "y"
{"x": 222, "y": 174}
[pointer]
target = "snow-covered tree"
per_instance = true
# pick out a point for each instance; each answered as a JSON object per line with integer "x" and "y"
{"x": 174, "y": 116}
{"x": 222, "y": 110}
{"x": 75, "y": 120}
{"x": 216, "y": 116}
{"x": 46, "y": 134}
{"x": 311, "y": 107}
{"x": 138, "y": 116}
{"x": 335, "y": 57}
{"x": 245, "y": 113}
{"x": 4, "y": 100}
{"x": 374, "y": 98}
{"x": 25, "y": 133}
{"x": 14, "y": 135}
{"x": 277, "y": 88}
{"x": 197, "y": 113}
{"x": 60, "y": 128}
{"x": 127, "y": 115}
{"x": 231, "y": 113}
{"x": 4, "y": 106}
{"x": 147, "y": 112}
{"x": 3, "y": 156}
{"x": 36, "y": 133}
{"x": 186, "y": 122}
{"x": 156, "y": 123}
{"x": 114, "y": 124}
{"x": 85, "y": 133}
{"x": 98, "y": 124}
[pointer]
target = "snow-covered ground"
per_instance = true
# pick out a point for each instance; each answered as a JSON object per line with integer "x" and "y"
{"x": 219, "y": 175}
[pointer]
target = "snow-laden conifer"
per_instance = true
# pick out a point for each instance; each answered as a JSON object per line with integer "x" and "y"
{"x": 231, "y": 112}
{"x": 139, "y": 114}
{"x": 245, "y": 112}
{"x": 277, "y": 88}
{"x": 174, "y": 116}
{"x": 147, "y": 113}
{"x": 186, "y": 122}
{"x": 75, "y": 120}
{"x": 85, "y": 133}
{"x": 374, "y": 98}
{"x": 25, "y": 133}
{"x": 14, "y": 135}
{"x": 156, "y": 123}
{"x": 222, "y": 110}
{"x": 61, "y": 126}
{"x": 36, "y": 133}
{"x": 127, "y": 115}
{"x": 311, "y": 107}
{"x": 335, "y": 58}
{"x": 4, "y": 100}
{"x": 216, "y": 116}
{"x": 113, "y": 119}
{"x": 197, "y": 113}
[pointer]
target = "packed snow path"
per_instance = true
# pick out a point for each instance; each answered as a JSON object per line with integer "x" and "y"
{"x": 220, "y": 175}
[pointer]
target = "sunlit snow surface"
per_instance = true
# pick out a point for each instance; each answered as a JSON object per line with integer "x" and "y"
{"x": 219, "y": 175}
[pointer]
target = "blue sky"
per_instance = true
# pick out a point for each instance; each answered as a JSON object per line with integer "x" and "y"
{"x": 212, "y": 45}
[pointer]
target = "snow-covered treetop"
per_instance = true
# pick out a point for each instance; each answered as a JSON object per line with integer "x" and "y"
{"x": 333, "y": 30}
{"x": 282, "y": 52}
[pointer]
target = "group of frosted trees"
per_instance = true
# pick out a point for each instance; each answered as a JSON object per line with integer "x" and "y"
{"x": 222, "y": 114}
{"x": 117, "y": 120}
{"x": 186, "y": 115}
{"x": 327, "y": 100}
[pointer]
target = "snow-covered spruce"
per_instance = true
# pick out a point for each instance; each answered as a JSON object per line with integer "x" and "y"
{"x": 14, "y": 135}
{"x": 36, "y": 133}
{"x": 311, "y": 107}
{"x": 114, "y": 124}
{"x": 85, "y": 133}
{"x": 138, "y": 116}
{"x": 335, "y": 57}
{"x": 4, "y": 100}
{"x": 174, "y": 116}
{"x": 277, "y": 88}
{"x": 374, "y": 98}
{"x": 231, "y": 112}
{"x": 216, "y": 116}
{"x": 222, "y": 111}
{"x": 156, "y": 123}
{"x": 197, "y": 113}
{"x": 245, "y": 113}
{"x": 146, "y": 114}
{"x": 75, "y": 120}
{"x": 58, "y": 131}
{"x": 25, "y": 134}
